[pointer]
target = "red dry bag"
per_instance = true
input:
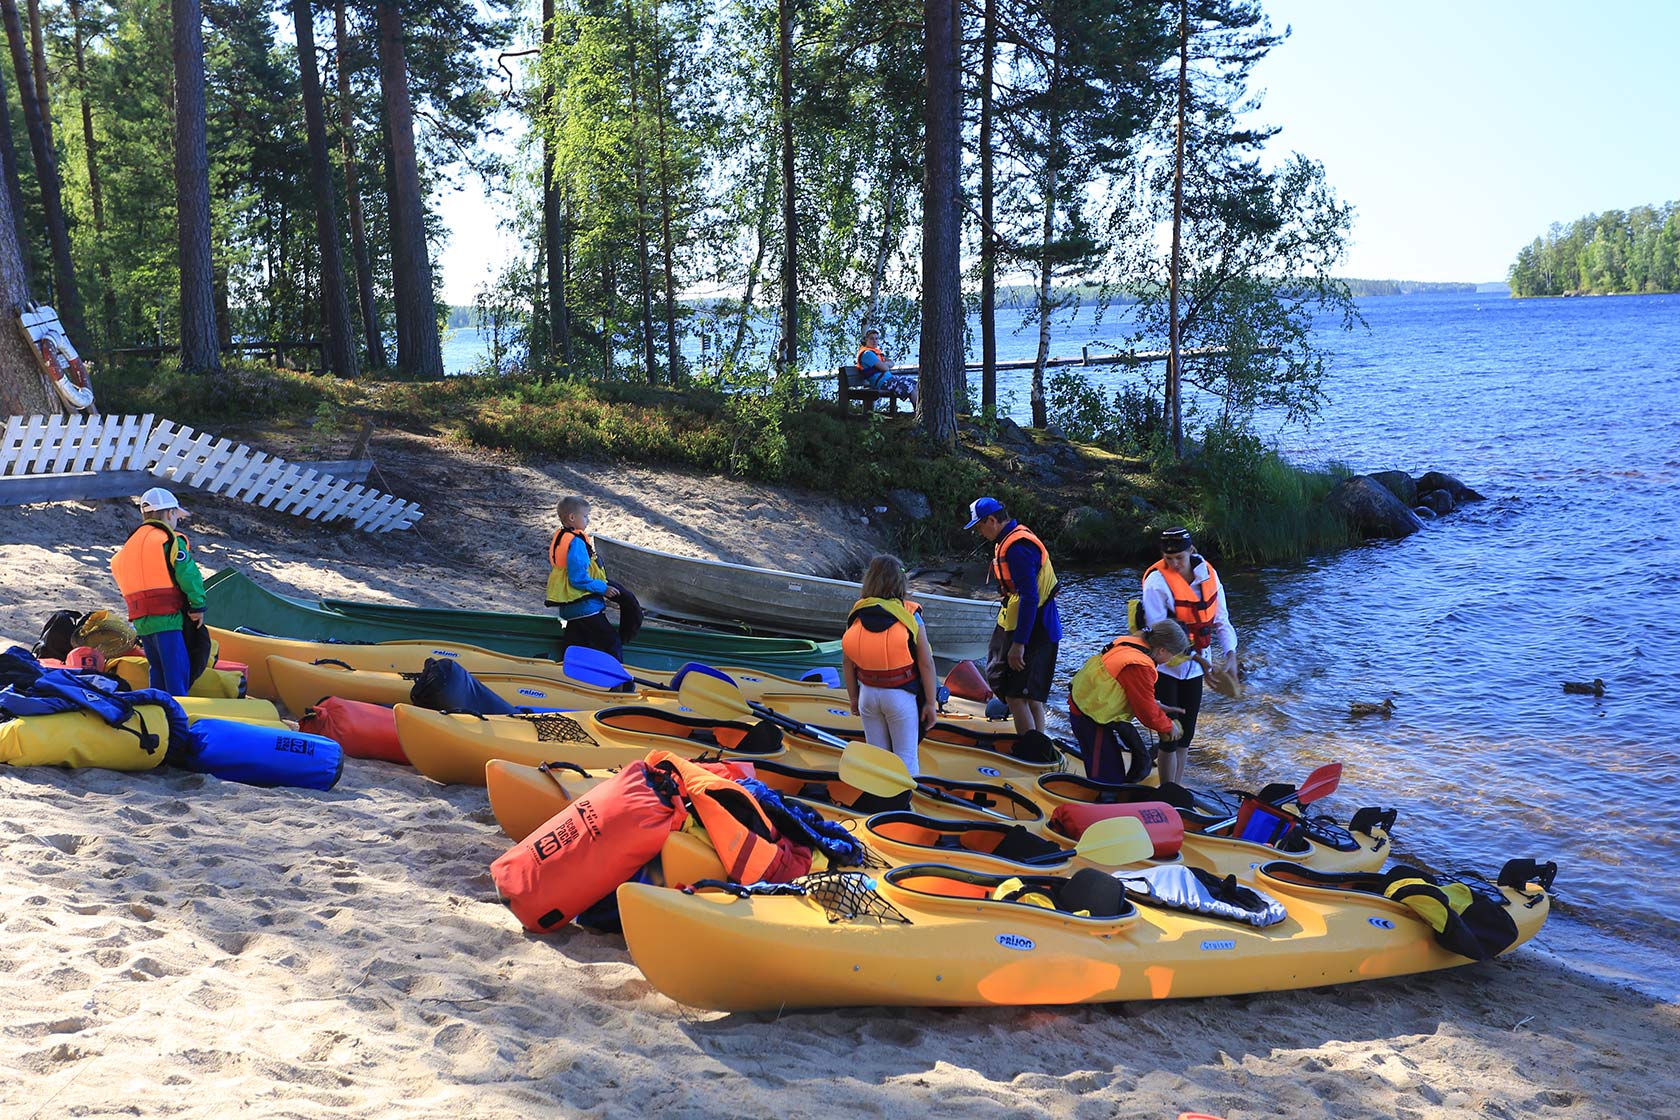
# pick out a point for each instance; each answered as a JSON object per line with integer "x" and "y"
{"x": 363, "y": 730}
{"x": 582, "y": 853}
{"x": 1166, "y": 827}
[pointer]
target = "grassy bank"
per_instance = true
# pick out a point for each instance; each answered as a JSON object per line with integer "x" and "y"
{"x": 1239, "y": 498}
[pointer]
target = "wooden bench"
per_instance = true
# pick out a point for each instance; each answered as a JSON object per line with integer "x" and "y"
{"x": 850, "y": 388}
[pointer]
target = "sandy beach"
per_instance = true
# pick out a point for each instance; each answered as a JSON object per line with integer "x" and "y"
{"x": 176, "y": 945}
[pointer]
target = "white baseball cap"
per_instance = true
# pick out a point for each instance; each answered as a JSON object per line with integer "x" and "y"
{"x": 157, "y": 498}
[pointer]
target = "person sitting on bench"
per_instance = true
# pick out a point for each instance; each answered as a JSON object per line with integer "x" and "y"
{"x": 875, "y": 372}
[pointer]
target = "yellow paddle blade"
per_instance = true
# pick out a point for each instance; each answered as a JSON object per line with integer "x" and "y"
{"x": 874, "y": 770}
{"x": 1115, "y": 842}
{"x": 713, "y": 698}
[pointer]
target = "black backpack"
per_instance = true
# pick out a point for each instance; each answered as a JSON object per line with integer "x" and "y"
{"x": 58, "y": 636}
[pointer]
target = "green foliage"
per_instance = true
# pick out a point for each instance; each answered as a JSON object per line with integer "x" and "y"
{"x": 1128, "y": 423}
{"x": 1256, "y": 506}
{"x": 1616, "y": 252}
{"x": 246, "y": 392}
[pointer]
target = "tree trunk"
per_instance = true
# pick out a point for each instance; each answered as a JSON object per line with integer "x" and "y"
{"x": 566, "y": 275}
{"x": 199, "y": 353}
{"x": 787, "y": 359}
{"x": 419, "y": 353}
{"x": 371, "y": 328}
{"x": 644, "y": 271}
{"x": 340, "y": 350}
{"x": 1046, "y": 267}
{"x": 559, "y": 328}
{"x": 22, "y": 389}
{"x": 1175, "y": 381}
{"x": 38, "y": 59}
{"x": 46, "y": 171}
{"x": 883, "y": 248}
{"x": 941, "y": 357}
{"x": 14, "y": 189}
{"x": 673, "y": 355}
{"x": 988, "y": 232}
{"x": 90, "y": 150}
{"x": 765, "y": 209}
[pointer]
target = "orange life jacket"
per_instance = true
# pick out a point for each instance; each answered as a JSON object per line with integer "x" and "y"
{"x": 1000, "y": 572}
{"x": 144, "y": 568}
{"x": 743, "y": 836}
{"x": 1196, "y": 608}
{"x": 880, "y": 641}
{"x": 881, "y": 367}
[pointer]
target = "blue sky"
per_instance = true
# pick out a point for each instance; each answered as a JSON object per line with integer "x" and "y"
{"x": 1458, "y": 130}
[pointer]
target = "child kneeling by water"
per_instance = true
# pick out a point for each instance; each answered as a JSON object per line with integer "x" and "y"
{"x": 888, "y": 666}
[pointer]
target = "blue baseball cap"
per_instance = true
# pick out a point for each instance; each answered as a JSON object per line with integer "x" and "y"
{"x": 982, "y": 508}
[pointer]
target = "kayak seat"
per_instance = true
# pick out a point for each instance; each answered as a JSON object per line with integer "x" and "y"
{"x": 1022, "y": 846}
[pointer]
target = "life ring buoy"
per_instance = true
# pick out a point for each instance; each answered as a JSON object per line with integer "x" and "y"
{"x": 69, "y": 377}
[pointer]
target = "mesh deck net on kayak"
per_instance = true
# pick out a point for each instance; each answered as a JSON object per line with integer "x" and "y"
{"x": 845, "y": 895}
{"x": 552, "y": 728}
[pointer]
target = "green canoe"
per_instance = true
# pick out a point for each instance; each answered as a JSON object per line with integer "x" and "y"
{"x": 234, "y": 600}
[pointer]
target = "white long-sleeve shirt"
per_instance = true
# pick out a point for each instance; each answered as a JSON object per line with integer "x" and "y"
{"x": 1158, "y": 604}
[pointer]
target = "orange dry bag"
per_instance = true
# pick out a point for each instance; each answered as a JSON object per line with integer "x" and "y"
{"x": 363, "y": 730}
{"x": 582, "y": 853}
{"x": 1166, "y": 827}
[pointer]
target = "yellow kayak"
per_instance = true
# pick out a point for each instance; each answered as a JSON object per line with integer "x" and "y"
{"x": 254, "y": 650}
{"x": 1208, "y": 841}
{"x": 454, "y": 748}
{"x": 958, "y": 945}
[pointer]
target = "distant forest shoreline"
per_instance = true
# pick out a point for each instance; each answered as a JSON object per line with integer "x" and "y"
{"x": 464, "y": 316}
{"x": 1618, "y": 252}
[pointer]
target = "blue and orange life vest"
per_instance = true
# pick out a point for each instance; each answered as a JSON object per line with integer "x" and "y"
{"x": 144, "y": 568}
{"x": 1196, "y": 608}
{"x": 880, "y": 641}
{"x": 1000, "y": 572}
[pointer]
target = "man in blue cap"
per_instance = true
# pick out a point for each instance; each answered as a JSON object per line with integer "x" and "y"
{"x": 1021, "y": 660}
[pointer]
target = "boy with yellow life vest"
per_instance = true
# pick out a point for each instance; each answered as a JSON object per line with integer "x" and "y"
{"x": 162, "y": 588}
{"x": 1184, "y": 587}
{"x": 1114, "y": 687}
{"x": 1021, "y": 659}
{"x": 887, "y": 663}
{"x": 577, "y": 584}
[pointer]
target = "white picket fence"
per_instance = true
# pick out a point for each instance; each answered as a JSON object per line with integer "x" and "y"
{"x": 178, "y": 456}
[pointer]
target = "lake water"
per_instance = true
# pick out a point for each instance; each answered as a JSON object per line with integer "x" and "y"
{"x": 1566, "y": 415}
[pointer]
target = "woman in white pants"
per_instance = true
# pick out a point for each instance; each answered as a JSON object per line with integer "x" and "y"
{"x": 888, "y": 666}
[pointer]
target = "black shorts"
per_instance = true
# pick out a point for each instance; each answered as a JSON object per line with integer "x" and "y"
{"x": 1031, "y": 683}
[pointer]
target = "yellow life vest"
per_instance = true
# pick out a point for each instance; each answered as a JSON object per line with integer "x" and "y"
{"x": 1000, "y": 571}
{"x": 560, "y": 590}
{"x": 1096, "y": 688}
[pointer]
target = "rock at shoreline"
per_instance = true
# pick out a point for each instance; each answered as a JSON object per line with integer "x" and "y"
{"x": 1399, "y": 483}
{"x": 911, "y": 505}
{"x": 1436, "y": 480}
{"x": 1437, "y": 500}
{"x": 1372, "y": 508}
{"x": 1425, "y": 512}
